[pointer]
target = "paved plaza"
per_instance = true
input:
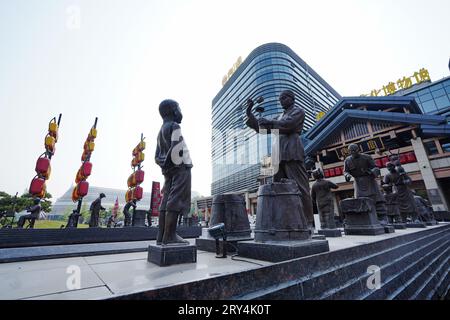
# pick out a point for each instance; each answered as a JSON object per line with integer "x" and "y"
{"x": 112, "y": 275}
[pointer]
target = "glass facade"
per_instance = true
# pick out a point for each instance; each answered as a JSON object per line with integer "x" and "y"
{"x": 237, "y": 151}
{"x": 434, "y": 98}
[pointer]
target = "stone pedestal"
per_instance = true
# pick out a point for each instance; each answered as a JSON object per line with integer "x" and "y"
{"x": 166, "y": 255}
{"x": 416, "y": 225}
{"x": 209, "y": 244}
{"x": 277, "y": 251}
{"x": 331, "y": 233}
{"x": 281, "y": 231}
{"x": 389, "y": 229}
{"x": 139, "y": 218}
{"x": 431, "y": 223}
{"x": 230, "y": 210}
{"x": 399, "y": 225}
{"x": 360, "y": 217}
{"x": 318, "y": 237}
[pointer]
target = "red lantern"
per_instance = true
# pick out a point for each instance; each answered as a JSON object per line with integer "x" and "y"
{"x": 37, "y": 185}
{"x": 139, "y": 176}
{"x": 83, "y": 188}
{"x": 138, "y": 193}
{"x": 86, "y": 169}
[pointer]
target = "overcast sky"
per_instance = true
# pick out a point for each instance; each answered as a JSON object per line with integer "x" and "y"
{"x": 117, "y": 60}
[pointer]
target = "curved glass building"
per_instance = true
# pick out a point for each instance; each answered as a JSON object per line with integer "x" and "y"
{"x": 237, "y": 151}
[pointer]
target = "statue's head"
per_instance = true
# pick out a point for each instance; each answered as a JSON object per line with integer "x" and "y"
{"x": 287, "y": 99}
{"x": 354, "y": 150}
{"x": 37, "y": 200}
{"x": 102, "y": 195}
{"x": 170, "y": 110}
{"x": 317, "y": 174}
{"x": 413, "y": 192}
{"x": 390, "y": 166}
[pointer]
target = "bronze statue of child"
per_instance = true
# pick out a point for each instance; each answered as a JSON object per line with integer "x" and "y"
{"x": 172, "y": 156}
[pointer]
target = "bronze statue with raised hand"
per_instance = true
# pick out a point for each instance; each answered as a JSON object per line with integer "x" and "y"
{"x": 291, "y": 152}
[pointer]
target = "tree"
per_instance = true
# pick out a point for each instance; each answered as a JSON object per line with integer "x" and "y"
{"x": 26, "y": 200}
{"x": 7, "y": 202}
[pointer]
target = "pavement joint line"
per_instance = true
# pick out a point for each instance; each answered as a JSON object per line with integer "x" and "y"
{"x": 98, "y": 276}
{"x": 59, "y": 292}
{"x": 114, "y": 261}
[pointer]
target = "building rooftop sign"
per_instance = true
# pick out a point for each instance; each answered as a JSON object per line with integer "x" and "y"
{"x": 401, "y": 84}
{"x": 231, "y": 71}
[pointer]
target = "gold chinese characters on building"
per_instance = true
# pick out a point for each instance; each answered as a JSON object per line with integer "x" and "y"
{"x": 371, "y": 145}
{"x": 231, "y": 71}
{"x": 401, "y": 84}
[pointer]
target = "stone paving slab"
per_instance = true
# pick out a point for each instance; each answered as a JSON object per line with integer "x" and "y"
{"x": 74, "y": 250}
{"x": 23, "y": 282}
{"x": 82, "y": 294}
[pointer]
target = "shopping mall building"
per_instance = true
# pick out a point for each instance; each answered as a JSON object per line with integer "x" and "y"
{"x": 408, "y": 117}
{"x": 266, "y": 72}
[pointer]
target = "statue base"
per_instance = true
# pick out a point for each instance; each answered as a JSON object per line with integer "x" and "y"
{"x": 389, "y": 229}
{"x": 364, "y": 230}
{"x": 360, "y": 217}
{"x": 431, "y": 223}
{"x": 416, "y": 225}
{"x": 331, "y": 233}
{"x": 166, "y": 255}
{"x": 209, "y": 244}
{"x": 399, "y": 225}
{"x": 318, "y": 237}
{"x": 277, "y": 251}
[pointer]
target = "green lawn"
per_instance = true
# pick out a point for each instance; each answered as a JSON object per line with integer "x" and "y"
{"x": 49, "y": 224}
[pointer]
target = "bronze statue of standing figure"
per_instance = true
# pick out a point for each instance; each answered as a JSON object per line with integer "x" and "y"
{"x": 398, "y": 178}
{"x": 393, "y": 212}
{"x": 95, "y": 208}
{"x": 292, "y": 155}
{"x": 323, "y": 197}
{"x": 126, "y": 212}
{"x": 173, "y": 158}
{"x": 363, "y": 169}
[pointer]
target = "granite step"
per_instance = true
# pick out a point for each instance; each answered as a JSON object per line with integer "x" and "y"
{"x": 402, "y": 272}
{"x": 391, "y": 263}
{"x": 442, "y": 289}
{"x": 429, "y": 274}
{"x": 427, "y": 290}
{"x": 343, "y": 278}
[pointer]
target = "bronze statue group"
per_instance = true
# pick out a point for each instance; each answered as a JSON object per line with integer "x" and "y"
{"x": 398, "y": 204}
